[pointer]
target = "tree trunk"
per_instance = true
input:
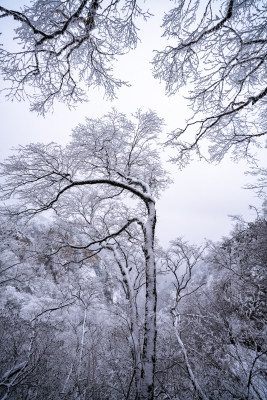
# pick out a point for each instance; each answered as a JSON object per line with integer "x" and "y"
{"x": 187, "y": 363}
{"x": 146, "y": 387}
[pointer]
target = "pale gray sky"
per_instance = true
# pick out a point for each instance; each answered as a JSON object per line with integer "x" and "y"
{"x": 197, "y": 204}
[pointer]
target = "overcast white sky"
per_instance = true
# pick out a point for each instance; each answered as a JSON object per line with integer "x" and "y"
{"x": 202, "y": 196}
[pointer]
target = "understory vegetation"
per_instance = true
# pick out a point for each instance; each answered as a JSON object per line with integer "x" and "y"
{"x": 66, "y": 328}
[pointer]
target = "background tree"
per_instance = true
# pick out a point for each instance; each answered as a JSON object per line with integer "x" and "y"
{"x": 59, "y": 329}
{"x": 218, "y": 49}
{"x": 214, "y": 338}
{"x": 65, "y": 47}
{"x": 178, "y": 266}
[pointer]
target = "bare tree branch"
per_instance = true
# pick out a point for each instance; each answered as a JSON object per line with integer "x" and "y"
{"x": 65, "y": 47}
{"x": 222, "y": 55}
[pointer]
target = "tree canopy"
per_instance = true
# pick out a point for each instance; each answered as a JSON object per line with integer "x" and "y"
{"x": 66, "y": 47}
{"x": 218, "y": 49}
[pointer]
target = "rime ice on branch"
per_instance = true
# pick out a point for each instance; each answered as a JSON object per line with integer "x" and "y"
{"x": 65, "y": 47}
{"x": 218, "y": 49}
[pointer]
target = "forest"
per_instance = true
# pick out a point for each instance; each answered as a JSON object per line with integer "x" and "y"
{"x": 93, "y": 306}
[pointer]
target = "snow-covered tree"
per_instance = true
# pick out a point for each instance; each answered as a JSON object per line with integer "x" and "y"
{"x": 105, "y": 181}
{"x": 178, "y": 264}
{"x": 229, "y": 313}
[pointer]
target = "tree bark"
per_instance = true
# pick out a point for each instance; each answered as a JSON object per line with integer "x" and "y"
{"x": 146, "y": 387}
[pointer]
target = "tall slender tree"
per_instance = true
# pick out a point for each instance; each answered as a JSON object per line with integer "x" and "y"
{"x": 109, "y": 161}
